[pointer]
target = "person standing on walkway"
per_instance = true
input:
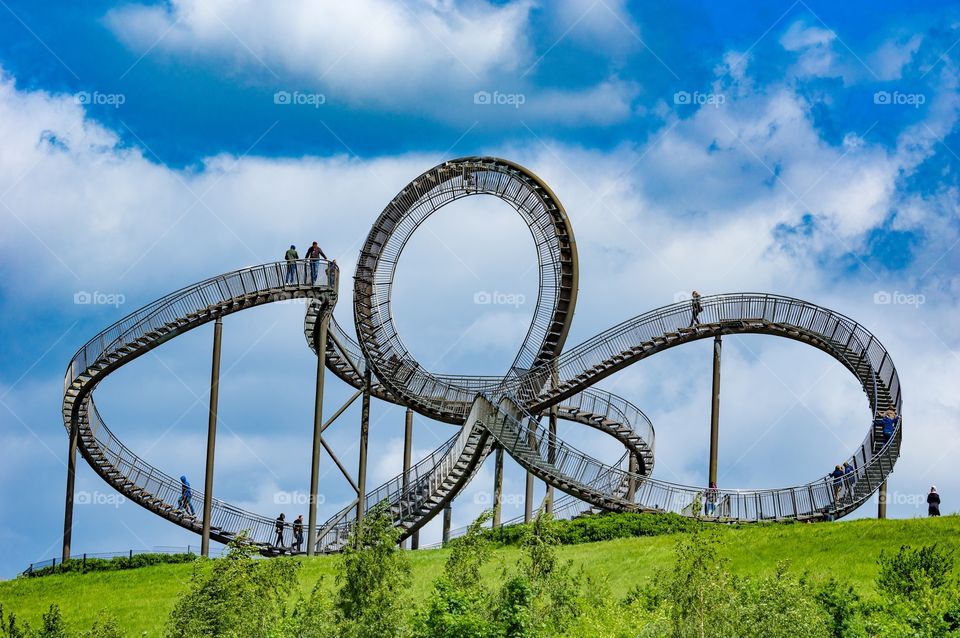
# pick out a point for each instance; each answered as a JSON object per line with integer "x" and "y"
{"x": 933, "y": 502}
{"x": 291, "y": 256}
{"x": 298, "y": 533}
{"x": 314, "y": 253}
{"x": 186, "y": 495}
{"x": 695, "y": 309}
{"x": 279, "y": 525}
{"x": 712, "y": 495}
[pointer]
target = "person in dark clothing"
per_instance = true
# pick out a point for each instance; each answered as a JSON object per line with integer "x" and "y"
{"x": 314, "y": 253}
{"x": 332, "y": 269}
{"x": 291, "y": 256}
{"x": 933, "y": 502}
{"x": 298, "y": 533}
{"x": 837, "y": 475}
{"x": 695, "y": 309}
{"x": 280, "y": 524}
{"x": 186, "y": 495}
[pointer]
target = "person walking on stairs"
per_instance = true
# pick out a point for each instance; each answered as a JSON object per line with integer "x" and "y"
{"x": 298, "y": 533}
{"x": 186, "y": 495}
{"x": 695, "y": 309}
{"x": 933, "y": 502}
{"x": 837, "y": 475}
{"x": 280, "y": 523}
{"x": 889, "y": 423}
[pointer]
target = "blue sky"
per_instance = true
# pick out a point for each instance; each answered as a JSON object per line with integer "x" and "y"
{"x": 803, "y": 148}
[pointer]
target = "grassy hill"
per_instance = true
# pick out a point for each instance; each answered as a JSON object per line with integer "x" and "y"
{"x": 141, "y": 599}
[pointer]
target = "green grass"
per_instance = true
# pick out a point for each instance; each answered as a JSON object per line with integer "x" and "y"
{"x": 142, "y": 598}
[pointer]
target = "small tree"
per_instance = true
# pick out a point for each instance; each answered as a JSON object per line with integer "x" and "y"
{"x": 700, "y": 591}
{"x": 460, "y": 606}
{"x": 53, "y": 626}
{"x": 233, "y": 596}
{"x": 373, "y": 579}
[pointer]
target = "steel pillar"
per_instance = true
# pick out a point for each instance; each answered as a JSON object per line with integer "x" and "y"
{"x": 498, "y": 489}
{"x": 551, "y": 458}
{"x": 447, "y": 515}
{"x": 882, "y": 502}
{"x": 364, "y": 437}
{"x": 71, "y": 478}
{"x": 407, "y": 457}
{"x": 211, "y": 438}
{"x": 321, "y": 345}
{"x": 528, "y": 494}
{"x": 715, "y": 411}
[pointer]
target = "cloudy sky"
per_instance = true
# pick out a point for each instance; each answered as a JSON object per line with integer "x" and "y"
{"x": 801, "y": 148}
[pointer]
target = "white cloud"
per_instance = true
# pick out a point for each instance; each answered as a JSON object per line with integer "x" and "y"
{"x": 607, "y": 27}
{"x": 813, "y": 46}
{"x": 890, "y": 58}
{"x": 369, "y": 50}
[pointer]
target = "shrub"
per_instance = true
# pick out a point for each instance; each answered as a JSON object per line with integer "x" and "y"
{"x": 598, "y": 527}
{"x": 233, "y": 596}
{"x": 373, "y": 579}
{"x": 780, "y": 606}
{"x": 910, "y": 570}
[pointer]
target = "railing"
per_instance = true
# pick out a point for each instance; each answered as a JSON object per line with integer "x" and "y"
{"x": 130, "y": 553}
{"x": 192, "y": 299}
{"x": 600, "y": 483}
{"x": 405, "y": 494}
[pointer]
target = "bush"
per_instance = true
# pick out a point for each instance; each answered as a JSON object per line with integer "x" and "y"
{"x": 911, "y": 570}
{"x": 921, "y": 597}
{"x": 598, "y": 527}
{"x": 843, "y": 608}
{"x": 233, "y": 596}
{"x": 372, "y": 579}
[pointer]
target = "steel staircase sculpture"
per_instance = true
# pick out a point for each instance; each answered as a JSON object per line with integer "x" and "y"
{"x": 492, "y": 410}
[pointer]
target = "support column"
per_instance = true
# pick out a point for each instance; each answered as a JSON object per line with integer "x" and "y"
{"x": 364, "y": 436}
{"x": 528, "y": 494}
{"x": 447, "y": 515}
{"x": 634, "y": 469}
{"x": 882, "y": 503}
{"x": 551, "y": 458}
{"x": 407, "y": 457}
{"x": 715, "y": 411}
{"x": 211, "y": 438}
{"x": 321, "y": 345}
{"x": 71, "y": 478}
{"x": 498, "y": 488}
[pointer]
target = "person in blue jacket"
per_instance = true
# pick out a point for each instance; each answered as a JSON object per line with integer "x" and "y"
{"x": 849, "y": 478}
{"x": 890, "y": 419}
{"x": 186, "y": 494}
